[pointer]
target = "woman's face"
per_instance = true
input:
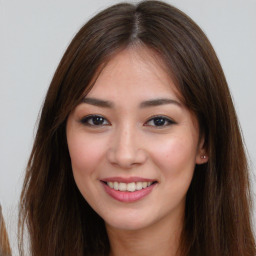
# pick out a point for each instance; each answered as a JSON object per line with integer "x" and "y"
{"x": 133, "y": 144}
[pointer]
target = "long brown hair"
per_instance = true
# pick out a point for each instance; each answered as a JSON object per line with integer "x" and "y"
{"x": 217, "y": 217}
{"x": 5, "y": 249}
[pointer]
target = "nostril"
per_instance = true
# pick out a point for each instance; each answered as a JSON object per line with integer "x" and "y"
{"x": 126, "y": 158}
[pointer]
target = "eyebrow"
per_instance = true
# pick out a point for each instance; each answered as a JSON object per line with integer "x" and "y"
{"x": 144, "y": 104}
{"x": 159, "y": 102}
{"x": 98, "y": 102}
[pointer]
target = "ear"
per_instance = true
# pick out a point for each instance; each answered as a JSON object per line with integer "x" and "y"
{"x": 202, "y": 154}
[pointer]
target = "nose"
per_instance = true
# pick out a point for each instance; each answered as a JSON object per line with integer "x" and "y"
{"x": 126, "y": 148}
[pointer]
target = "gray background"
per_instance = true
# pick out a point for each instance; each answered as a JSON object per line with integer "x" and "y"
{"x": 33, "y": 37}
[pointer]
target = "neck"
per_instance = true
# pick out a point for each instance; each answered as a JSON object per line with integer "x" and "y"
{"x": 160, "y": 239}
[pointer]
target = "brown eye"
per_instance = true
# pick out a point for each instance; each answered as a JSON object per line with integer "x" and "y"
{"x": 94, "y": 120}
{"x": 159, "y": 121}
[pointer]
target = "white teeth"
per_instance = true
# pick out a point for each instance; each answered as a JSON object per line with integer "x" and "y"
{"x": 144, "y": 184}
{"x": 122, "y": 186}
{"x": 138, "y": 185}
{"x": 111, "y": 184}
{"x": 131, "y": 187}
{"x": 115, "y": 185}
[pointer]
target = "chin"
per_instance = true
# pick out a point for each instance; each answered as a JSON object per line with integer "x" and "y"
{"x": 129, "y": 223}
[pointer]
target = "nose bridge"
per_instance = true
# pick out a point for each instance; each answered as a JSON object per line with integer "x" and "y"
{"x": 125, "y": 141}
{"x": 125, "y": 149}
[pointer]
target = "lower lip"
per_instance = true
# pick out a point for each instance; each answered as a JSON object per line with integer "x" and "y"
{"x": 128, "y": 197}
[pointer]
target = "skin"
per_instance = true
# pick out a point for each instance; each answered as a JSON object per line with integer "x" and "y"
{"x": 128, "y": 143}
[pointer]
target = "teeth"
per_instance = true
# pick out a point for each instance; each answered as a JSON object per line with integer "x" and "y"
{"x": 115, "y": 185}
{"x": 122, "y": 186}
{"x": 111, "y": 184}
{"x": 138, "y": 185}
{"x": 131, "y": 187}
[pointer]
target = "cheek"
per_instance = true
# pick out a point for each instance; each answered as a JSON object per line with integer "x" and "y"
{"x": 85, "y": 153}
{"x": 176, "y": 158}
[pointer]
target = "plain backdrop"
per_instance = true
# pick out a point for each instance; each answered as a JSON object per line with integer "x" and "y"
{"x": 33, "y": 37}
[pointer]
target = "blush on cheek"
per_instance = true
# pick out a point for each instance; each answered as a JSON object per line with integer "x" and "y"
{"x": 84, "y": 154}
{"x": 175, "y": 156}
{"x": 170, "y": 151}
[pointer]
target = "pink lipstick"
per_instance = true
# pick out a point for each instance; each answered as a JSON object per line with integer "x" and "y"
{"x": 128, "y": 189}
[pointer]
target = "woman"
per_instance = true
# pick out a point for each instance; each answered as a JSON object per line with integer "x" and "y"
{"x": 138, "y": 149}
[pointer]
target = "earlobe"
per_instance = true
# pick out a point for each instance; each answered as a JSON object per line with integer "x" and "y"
{"x": 202, "y": 156}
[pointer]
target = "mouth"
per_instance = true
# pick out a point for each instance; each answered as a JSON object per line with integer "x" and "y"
{"x": 129, "y": 187}
{"x": 128, "y": 190}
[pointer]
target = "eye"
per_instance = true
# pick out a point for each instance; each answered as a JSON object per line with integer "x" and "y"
{"x": 94, "y": 120}
{"x": 159, "y": 121}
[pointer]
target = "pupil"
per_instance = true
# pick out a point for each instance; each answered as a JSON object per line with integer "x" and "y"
{"x": 97, "y": 120}
{"x": 159, "y": 121}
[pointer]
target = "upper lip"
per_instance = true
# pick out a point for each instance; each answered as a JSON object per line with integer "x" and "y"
{"x": 127, "y": 180}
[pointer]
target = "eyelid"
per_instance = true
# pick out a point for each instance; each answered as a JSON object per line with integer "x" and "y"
{"x": 84, "y": 120}
{"x": 168, "y": 119}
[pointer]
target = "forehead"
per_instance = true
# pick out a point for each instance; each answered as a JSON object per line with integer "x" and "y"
{"x": 135, "y": 71}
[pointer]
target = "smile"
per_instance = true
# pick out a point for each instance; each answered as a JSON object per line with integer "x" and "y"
{"x": 131, "y": 187}
{"x": 128, "y": 190}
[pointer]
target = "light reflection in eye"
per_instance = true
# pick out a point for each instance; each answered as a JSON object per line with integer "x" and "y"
{"x": 94, "y": 120}
{"x": 159, "y": 121}
{"x": 98, "y": 120}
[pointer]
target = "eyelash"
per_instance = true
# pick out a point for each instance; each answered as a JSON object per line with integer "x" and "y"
{"x": 91, "y": 119}
{"x": 163, "y": 119}
{"x": 86, "y": 120}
